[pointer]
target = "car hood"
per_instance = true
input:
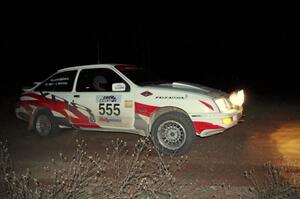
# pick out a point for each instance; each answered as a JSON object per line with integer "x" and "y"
{"x": 190, "y": 87}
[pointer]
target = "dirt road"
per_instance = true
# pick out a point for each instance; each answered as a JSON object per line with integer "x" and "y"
{"x": 271, "y": 130}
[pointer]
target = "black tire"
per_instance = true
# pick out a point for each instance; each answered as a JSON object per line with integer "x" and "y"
{"x": 173, "y": 133}
{"x": 44, "y": 123}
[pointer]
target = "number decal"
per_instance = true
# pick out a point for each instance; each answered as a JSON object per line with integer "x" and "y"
{"x": 109, "y": 109}
{"x": 117, "y": 109}
{"x": 101, "y": 109}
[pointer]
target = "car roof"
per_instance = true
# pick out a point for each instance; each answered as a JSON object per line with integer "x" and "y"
{"x": 87, "y": 66}
{"x": 118, "y": 66}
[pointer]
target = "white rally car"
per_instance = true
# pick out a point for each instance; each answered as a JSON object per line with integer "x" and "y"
{"x": 118, "y": 98}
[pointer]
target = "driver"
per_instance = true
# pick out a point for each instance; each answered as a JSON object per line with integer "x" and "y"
{"x": 100, "y": 83}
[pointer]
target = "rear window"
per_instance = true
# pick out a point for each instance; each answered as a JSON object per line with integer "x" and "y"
{"x": 60, "y": 82}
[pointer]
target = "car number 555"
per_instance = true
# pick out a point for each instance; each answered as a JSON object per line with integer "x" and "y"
{"x": 109, "y": 109}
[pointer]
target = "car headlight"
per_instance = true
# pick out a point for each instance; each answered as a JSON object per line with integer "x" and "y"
{"x": 237, "y": 98}
{"x": 223, "y": 104}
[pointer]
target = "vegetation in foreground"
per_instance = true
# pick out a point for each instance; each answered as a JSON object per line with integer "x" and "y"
{"x": 144, "y": 173}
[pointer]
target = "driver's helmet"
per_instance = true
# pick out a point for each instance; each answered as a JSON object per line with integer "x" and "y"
{"x": 99, "y": 83}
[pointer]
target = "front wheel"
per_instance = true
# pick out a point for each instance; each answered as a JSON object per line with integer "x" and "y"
{"x": 44, "y": 123}
{"x": 173, "y": 133}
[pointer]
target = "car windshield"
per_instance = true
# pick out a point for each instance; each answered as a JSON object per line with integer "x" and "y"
{"x": 141, "y": 76}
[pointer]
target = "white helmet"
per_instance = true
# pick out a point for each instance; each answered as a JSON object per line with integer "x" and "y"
{"x": 99, "y": 83}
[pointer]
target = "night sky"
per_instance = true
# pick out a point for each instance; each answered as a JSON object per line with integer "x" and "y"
{"x": 255, "y": 51}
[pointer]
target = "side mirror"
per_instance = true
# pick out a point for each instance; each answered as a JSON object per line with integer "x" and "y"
{"x": 118, "y": 87}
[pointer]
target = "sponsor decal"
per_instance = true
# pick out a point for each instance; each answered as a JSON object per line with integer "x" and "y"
{"x": 201, "y": 126}
{"x": 109, "y": 98}
{"x": 128, "y": 103}
{"x": 146, "y": 93}
{"x": 169, "y": 97}
{"x": 196, "y": 115}
{"x": 108, "y": 119}
{"x": 109, "y": 105}
{"x": 58, "y": 81}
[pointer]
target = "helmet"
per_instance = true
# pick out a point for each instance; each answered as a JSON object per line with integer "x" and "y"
{"x": 99, "y": 83}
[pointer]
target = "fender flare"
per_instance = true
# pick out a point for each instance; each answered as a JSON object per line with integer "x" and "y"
{"x": 161, "y": 111}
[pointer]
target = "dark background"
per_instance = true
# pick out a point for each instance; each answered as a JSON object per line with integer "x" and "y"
{"x": 257, "y": 51}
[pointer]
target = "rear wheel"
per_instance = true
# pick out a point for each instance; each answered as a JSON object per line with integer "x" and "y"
{"x": 44, "y": 123}
{"x": 173, "y": 133}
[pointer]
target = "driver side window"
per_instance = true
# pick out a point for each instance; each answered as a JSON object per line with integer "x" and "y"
{"x": 98, "y": 80}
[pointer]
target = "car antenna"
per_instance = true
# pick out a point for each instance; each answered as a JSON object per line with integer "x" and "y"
{"x": 98, "y": 50}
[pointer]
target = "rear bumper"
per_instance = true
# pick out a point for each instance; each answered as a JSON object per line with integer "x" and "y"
{"x": 21, "y": 113}
{"x": 211, "y": 124}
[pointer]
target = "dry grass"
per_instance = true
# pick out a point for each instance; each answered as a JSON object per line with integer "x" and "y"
{"x": 144, "y": 173}
{"x": 277, "y": 182}
{"x": 118, "y": 173}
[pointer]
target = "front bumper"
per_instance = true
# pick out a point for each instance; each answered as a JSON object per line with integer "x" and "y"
{"x": 213, "y": 123}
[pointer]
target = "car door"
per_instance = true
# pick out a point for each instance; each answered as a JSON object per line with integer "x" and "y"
{"x": 106, "y": 107}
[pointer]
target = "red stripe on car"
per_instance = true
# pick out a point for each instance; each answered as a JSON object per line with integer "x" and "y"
{"x": 207, "y": 105}
{"x": 58, "y": 106}
{"x": 144, "y": 109}
{"x": 88, "y": 125}
{"x": 201, "y": 126}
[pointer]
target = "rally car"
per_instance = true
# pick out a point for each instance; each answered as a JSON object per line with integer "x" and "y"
{"x": 119, "y": 98}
